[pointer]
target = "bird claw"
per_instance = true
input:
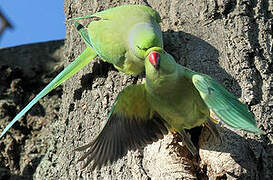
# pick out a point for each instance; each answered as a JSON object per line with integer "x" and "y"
{"x": 212, "y": 128}
{"x": 188, "y": 143}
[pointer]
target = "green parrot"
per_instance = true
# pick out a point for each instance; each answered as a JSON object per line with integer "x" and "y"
{"x": 120, "y": 36}
{"x": 173, "y": 98}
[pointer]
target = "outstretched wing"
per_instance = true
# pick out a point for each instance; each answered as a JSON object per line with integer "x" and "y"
{"x": 224, "y": 104}
{"x": 131, "y": 125}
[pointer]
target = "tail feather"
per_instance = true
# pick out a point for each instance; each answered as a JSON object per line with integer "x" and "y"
{"x": 69, "y": 71}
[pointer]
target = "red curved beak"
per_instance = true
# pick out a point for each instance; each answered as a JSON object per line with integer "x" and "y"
{"x": 154, "y": 59}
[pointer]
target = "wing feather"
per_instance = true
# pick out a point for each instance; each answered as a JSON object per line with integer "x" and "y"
{"x": 224, "y": 104}
{"x": 130, "y": 125}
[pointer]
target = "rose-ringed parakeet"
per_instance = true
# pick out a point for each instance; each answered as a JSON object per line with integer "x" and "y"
{"x": 120, "y": 36}
{"x": 173, "y": 98}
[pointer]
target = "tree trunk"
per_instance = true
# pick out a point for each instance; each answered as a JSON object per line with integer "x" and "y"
{"x": 228, "y": 40}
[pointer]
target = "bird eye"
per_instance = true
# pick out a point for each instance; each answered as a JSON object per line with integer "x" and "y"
{"x": 144, "y": 49}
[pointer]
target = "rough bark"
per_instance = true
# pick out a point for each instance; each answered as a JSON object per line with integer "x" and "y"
{"x": 229, "y": 40}
{"x": 24, "y": 71}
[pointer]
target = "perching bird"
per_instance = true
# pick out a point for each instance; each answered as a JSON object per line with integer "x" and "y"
{"x": 173, "y": 98}
{"x": 120, "y": 36}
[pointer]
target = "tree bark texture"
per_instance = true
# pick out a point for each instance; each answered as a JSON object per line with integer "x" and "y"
{"x": 228, "y": 40}
{"x": 24, "y": 71}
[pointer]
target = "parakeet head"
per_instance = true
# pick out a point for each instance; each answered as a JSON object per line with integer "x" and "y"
{"x": 159, "y": 63}
{"x": 144, "y": 36}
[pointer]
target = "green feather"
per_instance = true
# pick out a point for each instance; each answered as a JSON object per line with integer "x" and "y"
{"x": 122, "y": 35}
{"x": 224, "y": 104}
{"x": 69, "y": 71}
{"x": 84, "y": 34}
{"x": 108, "y": 37}
{"x": 172, "y": 98}
{"x": 131, "y": 125}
